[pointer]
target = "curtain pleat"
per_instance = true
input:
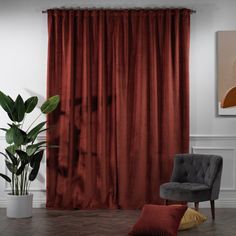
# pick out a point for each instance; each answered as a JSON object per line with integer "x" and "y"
{"x": 123, "y": 78}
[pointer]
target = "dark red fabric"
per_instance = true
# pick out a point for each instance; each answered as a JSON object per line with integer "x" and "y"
{"x": 123, "y": 77}
{"x": 159, "y": 220}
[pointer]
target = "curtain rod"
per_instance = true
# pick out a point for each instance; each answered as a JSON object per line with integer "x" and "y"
{"x": 45, "y": 11}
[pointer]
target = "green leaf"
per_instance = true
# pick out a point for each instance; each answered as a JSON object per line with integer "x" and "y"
{"x": 10, "y": 167}
{"x": 10, "y": 114}
{"x": 12, "y": 157}
{"x": 30, "y": 104}
{"x": 6, "y": 103}
{"x": 5, "y": 177}
{"x": 12, "y": 149}
{"x": 24, "y": 136}
{"x": 13, "y": 125}
{"x": 4, "y": 155}
{"x": 23, "y": 156}
{"x": 21, "y": 168}
{"x": 18, "y": 136}
{"x": 11, "y": 100}
{"x": 33, "y": 133}
{"x": 26, "y": 141}
{"x": 3, "y": 129}
{"x": 50, "y": 105}
{"x": 35, "y": 157}
{"x": 19, "y": 109}
{"x": 36, "y": 165}
{"x": 34, "y": 137}
{"x": 43, "y": 130}
{"x": 10, "y": 135}
{"x": 31, "y": 149}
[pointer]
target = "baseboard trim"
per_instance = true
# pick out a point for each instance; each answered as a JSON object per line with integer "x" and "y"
{"x": 220, "y": 203}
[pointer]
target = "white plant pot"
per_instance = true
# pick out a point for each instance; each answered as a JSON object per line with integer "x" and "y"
{"x": 19, "y": 206}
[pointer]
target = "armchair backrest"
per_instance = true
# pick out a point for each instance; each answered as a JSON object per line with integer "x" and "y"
{"x": 197, "y": 168}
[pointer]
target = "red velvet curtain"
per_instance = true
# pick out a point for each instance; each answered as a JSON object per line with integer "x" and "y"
{"x": 123, "y": 77}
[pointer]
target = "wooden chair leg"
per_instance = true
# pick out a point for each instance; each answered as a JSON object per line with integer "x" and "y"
{"x": 165, "y": 202}
{"x": 213, "y": 209}
{"x": 196, "y": 205}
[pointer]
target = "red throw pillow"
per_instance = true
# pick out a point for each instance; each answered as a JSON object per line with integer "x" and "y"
{"x": 158, "y": 220}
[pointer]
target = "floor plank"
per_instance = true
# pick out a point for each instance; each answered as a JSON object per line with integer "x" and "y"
{"x": 103, "y": 223}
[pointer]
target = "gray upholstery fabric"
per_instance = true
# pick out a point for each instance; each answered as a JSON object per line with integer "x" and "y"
{"x": 195, "y": 178}
{"x": 185, "y": 191}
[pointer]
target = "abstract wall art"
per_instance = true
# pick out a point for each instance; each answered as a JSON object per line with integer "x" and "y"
{"x": 226, "y": 68}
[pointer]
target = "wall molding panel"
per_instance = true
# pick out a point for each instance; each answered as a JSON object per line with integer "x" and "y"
{"x": 225, "y": 146}
{"x": 195, "y": 137}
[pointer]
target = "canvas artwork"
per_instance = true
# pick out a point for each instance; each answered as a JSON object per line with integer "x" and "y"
{"x": 226, "y": 52}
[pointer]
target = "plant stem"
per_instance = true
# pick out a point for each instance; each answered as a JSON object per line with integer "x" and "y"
{"x": 22, "y": 123}
{"x": 25, "y": 180}
{"x": 13, "y": 184}
{"x": 25, "y": 184}
{"x": 17, "y": 186}
{"x": 22, "y": 183}
{"x": 28, "y": 186}
{"x": 34, "y": 121}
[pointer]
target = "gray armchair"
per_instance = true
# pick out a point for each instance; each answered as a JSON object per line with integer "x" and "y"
{"x": 195, "y": 178}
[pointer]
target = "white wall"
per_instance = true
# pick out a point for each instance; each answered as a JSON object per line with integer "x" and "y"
{"x": 23, "y": 57}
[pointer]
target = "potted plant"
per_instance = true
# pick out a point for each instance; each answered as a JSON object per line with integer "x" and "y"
{"x": 24, "y": 153}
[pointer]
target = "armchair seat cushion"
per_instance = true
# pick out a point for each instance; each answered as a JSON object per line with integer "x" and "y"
{"x": 189, "y": 192}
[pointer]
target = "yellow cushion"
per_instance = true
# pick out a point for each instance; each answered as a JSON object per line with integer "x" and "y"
{"x": 190, "y": 219}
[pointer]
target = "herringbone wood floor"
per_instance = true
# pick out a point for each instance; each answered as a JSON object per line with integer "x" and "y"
{"x": 103, "y": 223}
